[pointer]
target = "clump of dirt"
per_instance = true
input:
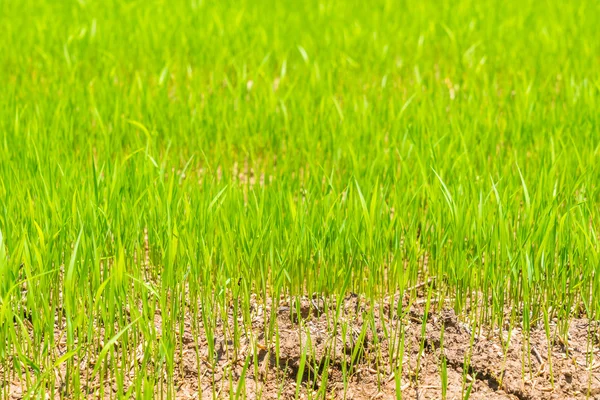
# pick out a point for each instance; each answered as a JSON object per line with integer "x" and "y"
{"x": 511, "y": 365}
{"x": 355, "y": 349}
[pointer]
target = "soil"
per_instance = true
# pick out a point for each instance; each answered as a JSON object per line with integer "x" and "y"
{"x": 313, "y": 356}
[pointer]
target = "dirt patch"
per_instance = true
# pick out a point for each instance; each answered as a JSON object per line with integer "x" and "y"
{"x": 513, "y": 365}
{"x": 355, "y": 349}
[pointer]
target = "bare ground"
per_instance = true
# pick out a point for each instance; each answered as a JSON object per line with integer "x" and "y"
{"x": 357, "y": 357}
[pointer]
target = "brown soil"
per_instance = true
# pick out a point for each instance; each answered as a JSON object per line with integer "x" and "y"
{"x": 312, "y": 357}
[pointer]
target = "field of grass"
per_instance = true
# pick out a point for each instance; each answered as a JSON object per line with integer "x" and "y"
{"x": 184, "y": 183}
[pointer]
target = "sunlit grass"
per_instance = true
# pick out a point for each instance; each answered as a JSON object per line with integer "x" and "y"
{"x": 180, "y": 158}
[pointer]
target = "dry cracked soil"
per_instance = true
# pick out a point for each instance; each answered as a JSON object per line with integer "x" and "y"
{"x": 351, "y": 358}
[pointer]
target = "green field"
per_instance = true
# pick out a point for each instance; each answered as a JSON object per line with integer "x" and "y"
{"x": 180, "y": 179}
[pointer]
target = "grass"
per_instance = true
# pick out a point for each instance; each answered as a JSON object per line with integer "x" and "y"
{"x": 183, "y": 158}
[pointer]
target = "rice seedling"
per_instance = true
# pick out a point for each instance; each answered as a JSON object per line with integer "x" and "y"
{"x": 320, "y": 200}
